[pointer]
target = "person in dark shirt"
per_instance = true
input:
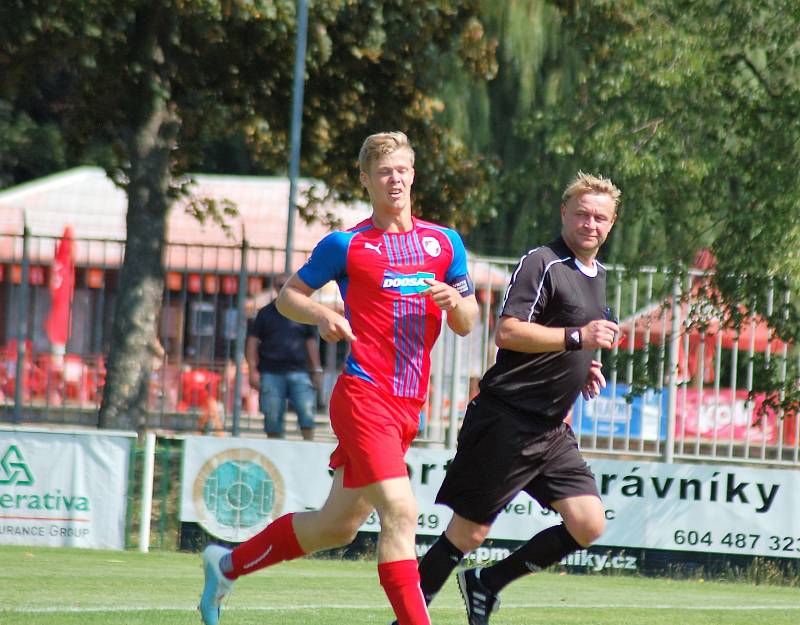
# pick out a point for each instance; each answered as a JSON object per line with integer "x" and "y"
{"x": 283, "y": 361}
{"x": 514, "y": 437}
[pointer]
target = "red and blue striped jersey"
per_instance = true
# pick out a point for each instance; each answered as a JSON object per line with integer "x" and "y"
{"x": 381, "y": 278}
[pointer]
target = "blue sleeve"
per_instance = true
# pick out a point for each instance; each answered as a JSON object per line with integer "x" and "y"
{"x": 328, "y": 261}
{"x": 457, "y": 274}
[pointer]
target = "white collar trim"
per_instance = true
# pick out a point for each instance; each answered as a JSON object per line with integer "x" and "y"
{"x": 589, "y": 272}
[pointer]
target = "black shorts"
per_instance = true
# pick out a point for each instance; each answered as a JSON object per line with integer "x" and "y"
{"x": 500, "y": 455}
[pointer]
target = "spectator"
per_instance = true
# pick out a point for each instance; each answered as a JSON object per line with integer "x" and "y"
{"x": 283, "y": 363}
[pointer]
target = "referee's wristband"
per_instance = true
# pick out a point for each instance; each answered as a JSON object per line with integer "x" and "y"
{"x": 572, "y": 339}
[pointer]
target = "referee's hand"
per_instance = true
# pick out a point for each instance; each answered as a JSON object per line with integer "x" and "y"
{"x": 599, "y": 334}
{"x": 595, "y": 381}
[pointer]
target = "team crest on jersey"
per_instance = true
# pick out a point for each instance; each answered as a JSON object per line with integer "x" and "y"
{"x": 431, "y": 246}
{"x": 406, "y": 284}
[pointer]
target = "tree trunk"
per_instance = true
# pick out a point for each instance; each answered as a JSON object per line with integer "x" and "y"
{"x": 141, "y": 283}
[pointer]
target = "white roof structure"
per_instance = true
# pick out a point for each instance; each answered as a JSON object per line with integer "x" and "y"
{"x": 88, "y": 201}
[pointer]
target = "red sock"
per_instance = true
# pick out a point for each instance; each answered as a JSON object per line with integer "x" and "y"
{"x": 400, "y": 581}
{"x": 275, "y": 543}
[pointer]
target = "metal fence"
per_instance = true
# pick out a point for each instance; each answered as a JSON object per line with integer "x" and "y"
{"x": 681, "y": 386}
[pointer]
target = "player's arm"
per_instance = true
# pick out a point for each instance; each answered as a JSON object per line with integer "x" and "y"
{"x": 456, "y": 295}
{"x": 251, "y": 356}
{"x": 461, "y": 319}
{"x": 534, "y": 338}
{"x": 462, "y": 310}
{"x": 294, "y": 302}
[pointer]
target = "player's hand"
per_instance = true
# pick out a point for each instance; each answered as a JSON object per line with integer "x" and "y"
{"x": 599, "y": 334}
{"x": 443, "y": 295}
{"x": 254, "y": 377}
{"x": 334, "y": 327}
{"x": 595, "y": 381}
{"x": 316, "y": 380}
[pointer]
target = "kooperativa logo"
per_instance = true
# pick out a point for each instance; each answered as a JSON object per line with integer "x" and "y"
{"x": 14, "y": 470}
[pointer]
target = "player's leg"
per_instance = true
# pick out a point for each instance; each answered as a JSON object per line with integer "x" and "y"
{"x": 566, "y": 485}
{"x": 375, "y": 430}
{"x": 296, "y": 534}
{"x": 583, "y": 516}
{"x": 484, "y": 476}
{"x": 303, "y": 396}
{"x": 272, "y": 402}
{"x": 460, "y": 537}
{"x": 288, "y": 537}
{"x": 396, "y": 506}
{"x": 336, "y": 523}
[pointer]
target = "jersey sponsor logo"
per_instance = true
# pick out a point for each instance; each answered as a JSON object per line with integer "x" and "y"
{"x": 374, "y": 248}
{"x": 431, "y": 246}
{"x": 406, "y": 284}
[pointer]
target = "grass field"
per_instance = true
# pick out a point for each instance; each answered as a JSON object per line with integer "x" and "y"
{"x": 65, "y": 586}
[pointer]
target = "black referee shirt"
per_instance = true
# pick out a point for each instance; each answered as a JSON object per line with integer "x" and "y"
{"x": 547, "y": 287}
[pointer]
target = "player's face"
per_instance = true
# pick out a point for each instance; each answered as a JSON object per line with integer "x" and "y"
{"x": 586, "y": 221}
{"x": 389, "y": 182}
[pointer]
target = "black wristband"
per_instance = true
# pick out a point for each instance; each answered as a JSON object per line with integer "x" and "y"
{"x": 572, "y": 339}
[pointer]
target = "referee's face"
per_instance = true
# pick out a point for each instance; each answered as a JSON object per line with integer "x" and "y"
{"x": 586, "y": 221}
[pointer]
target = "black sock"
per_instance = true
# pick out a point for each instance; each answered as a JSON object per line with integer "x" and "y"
{"x": 436, "y": 566}
{"x": 544, "y": 549}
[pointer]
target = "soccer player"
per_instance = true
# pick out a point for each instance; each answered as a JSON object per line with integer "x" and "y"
{"x": 396, "y": 275}
{"x": 514, "y": 437}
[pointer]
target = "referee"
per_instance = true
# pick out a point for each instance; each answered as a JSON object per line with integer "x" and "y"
{"x": 514, "y": 437}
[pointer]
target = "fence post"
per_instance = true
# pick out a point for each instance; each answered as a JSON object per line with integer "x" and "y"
{"x": 672, "y": 371}
{"x": 147, "y": 491}
{"x": 455, "y": 379}
{"x": 22, "y": 328}
{"x": 434, "y": 424}
{"x": 241, "y": 297}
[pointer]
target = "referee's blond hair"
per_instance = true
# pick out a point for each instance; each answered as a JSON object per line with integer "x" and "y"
{"x": 587, "y": 183}
{"x": 380, "y": 144}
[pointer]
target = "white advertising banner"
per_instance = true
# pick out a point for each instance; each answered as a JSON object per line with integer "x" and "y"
{"x": 235, "y": 487}
{"x": 63, "y": 488}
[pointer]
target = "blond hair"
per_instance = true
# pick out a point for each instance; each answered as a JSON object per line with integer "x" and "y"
{"x": 586, "y": 183}
{"x": 382, "y": 143}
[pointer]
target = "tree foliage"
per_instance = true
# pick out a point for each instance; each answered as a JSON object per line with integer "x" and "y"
{"x": 691, "y": 107}
{"x": 158, "y": 81}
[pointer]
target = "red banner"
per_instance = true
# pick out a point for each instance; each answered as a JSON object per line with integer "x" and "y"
{"x": 724, "y": 417}
{"x": 62, "y": 285}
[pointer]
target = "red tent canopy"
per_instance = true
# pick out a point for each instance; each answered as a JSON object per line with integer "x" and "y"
{"x": 654, "y": 326}
{"x": 702, "y": 321}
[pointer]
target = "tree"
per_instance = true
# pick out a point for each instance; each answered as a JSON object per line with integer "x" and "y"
{"x": 535, "y": 71}
{"x": 694, "y": 108}
{"x": 156, "y": 79}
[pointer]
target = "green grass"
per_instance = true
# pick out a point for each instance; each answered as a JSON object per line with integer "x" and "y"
{"x": 69, "y": 586}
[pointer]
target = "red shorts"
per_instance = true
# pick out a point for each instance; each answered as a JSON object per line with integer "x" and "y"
{"x": 374, "y": 429}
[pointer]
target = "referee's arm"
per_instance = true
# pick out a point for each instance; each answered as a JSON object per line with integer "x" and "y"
{"x": 533, "y": 338}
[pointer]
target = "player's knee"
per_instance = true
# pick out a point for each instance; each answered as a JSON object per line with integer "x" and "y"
{"x": 400, "y": 517}
{"x": 588, "y": 530}
{"x": 341, "y": 533}
{"x": 467, "y": 536}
